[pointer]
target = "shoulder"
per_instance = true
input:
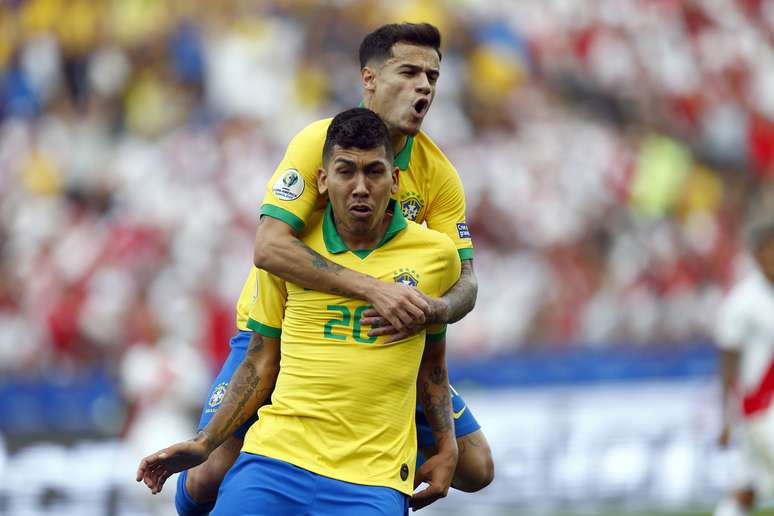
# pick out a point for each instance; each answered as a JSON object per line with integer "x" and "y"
{"x": 426, "y": 237}
{"x": 745, "y": 295}
{"x": 314, "y": 132}
{"x": 432, "y": 155}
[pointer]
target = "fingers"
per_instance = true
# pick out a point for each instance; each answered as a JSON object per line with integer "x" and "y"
{"x": 148, "y": 463}
{"x": 402, "y": 306}
{"x": 426, "y": 497}
{"x": 369, "y": 314}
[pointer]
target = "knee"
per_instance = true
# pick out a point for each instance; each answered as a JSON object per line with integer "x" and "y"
{"x": 746, "y": 498}
{"x": 475, "y": 470}
{"x": 203, "y": 481}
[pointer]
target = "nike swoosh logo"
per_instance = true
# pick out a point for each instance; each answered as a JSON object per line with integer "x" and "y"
{"x": 458, "y": 415}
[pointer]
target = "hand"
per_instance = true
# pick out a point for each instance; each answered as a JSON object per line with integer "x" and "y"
{"x": 156, "y": 468}
{"x": 434, "y": 311}
{"x": 438, "y": 471}
{"x": 725, "y": 435}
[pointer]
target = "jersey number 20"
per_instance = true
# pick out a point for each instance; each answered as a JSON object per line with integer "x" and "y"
{"x": 345, "y": 321}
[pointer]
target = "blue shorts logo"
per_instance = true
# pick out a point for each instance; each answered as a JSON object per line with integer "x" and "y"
{"x": 217, "y": 394}
{"x": 462, "y": 230}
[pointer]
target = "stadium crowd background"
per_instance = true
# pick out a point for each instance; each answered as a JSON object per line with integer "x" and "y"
{"x": 605, "y": 168}
{"x": 608, "y": 148}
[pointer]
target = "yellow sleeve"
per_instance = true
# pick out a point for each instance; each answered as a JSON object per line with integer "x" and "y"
{"x": 291, "y": 194}
{"x": 451, "y": 268}
{"x": 268, "y": 311}
{"x": 446, "y": 212}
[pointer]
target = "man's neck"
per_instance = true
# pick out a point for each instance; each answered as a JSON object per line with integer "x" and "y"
{"x": 368, "y": 241}
{"x": 398, "y": 141}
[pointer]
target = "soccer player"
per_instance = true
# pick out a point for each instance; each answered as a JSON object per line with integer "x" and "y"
{"x": 338, "y": 436}
{"x": 745, "y": 335}
{"x": 400, "y": 65}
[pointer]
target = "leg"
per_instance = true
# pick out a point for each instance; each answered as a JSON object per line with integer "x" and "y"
{"x": 203, "y": 481}
{"x": 739, "y": 503}
{"x": 475, "y": 468}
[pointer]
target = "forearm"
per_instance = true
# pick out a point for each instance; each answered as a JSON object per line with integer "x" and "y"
{"x": 434, "y": 396}
{"x": 249, "y": 388}
{"x": 461, "y": 298}
{"x": 280, "y": 252}
{"x": 729, "y": 363}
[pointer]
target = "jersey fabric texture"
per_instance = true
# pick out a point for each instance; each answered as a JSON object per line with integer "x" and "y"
{"x": 430, "y": 191}
{"x": 343, "y": 405}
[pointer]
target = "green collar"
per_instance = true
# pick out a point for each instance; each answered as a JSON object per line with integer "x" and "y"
{"x": 402, "y": 158}
{"x": 335, "y": 244}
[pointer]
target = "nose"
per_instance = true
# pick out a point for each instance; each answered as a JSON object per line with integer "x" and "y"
{"x": 360, "y": 186}
{"x": 423, "y": 84}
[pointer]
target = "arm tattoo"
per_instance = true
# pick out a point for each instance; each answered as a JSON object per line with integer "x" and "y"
{"x": 437, "y": 408}
{"x": 438, "y": 375}
{"x": 318, "y": 261}
{"x": 461, "y": 298}
{"x": 242, "y": 390}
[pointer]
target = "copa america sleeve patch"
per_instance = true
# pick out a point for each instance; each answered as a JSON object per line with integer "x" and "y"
{"x": 289, "y": 186}
{"x": 462, "y": 230}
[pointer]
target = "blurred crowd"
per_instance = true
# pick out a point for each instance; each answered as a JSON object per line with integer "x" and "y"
{"x": 606, "y": 158}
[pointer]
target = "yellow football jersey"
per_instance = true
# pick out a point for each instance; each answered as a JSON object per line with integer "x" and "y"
{"x": 344, "y": 402}
{"x": 430, "y": 192}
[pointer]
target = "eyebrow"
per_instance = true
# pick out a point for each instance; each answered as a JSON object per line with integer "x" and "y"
{"x": 344, "y": 161}
{"x": 374, "y": 165}
{"x": 369, "y": 166}
{"x": 417, "y": 68}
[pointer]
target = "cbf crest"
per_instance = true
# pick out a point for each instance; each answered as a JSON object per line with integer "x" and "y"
{"x": 411, "y": 205}
{"x": 407, "y": 277}
{"x": 218, "y": 394}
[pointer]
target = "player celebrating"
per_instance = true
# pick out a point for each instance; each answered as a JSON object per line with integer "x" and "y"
{"x": 745, "y": 335}
{"x": 400, "y": 65}
{"x": 339, "y": 434}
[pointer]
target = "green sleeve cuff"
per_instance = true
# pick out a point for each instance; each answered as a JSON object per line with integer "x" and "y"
{"x": 262, "y": 329}
{"x": 284, "y": 215}
{"x": 435, "y": 337}
{"x": 465, "y": 254}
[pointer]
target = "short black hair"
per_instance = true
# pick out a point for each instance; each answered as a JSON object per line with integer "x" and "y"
{"x": 378, "y": 44}
{"x": 358, "y": 128}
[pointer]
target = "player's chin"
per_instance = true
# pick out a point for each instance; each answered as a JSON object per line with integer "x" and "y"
{"x": 412, "y": 127}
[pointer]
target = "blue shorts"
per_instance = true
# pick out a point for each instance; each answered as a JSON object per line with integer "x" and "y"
{"x": 238, "y": 343}
{"x": 257, "y": 485}
{"x": 464, "y": 421}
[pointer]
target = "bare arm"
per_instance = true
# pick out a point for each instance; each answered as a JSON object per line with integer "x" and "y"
{"x": 458, "y": 301}
{"x": 249, "y": 388}
{"x": 434, "y": 396}
{"x": 279, "y": 251}
{"x": 729, "y": 366}
{"x": 461, "y": 298}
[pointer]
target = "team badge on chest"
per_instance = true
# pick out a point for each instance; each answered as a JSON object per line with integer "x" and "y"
{"x": 407, "y": 277}
{"x": 411, "y": 205}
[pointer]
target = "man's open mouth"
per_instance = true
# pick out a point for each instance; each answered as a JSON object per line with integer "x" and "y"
{"x": 420, "y": 107}
{"x": 360, "y": 210}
